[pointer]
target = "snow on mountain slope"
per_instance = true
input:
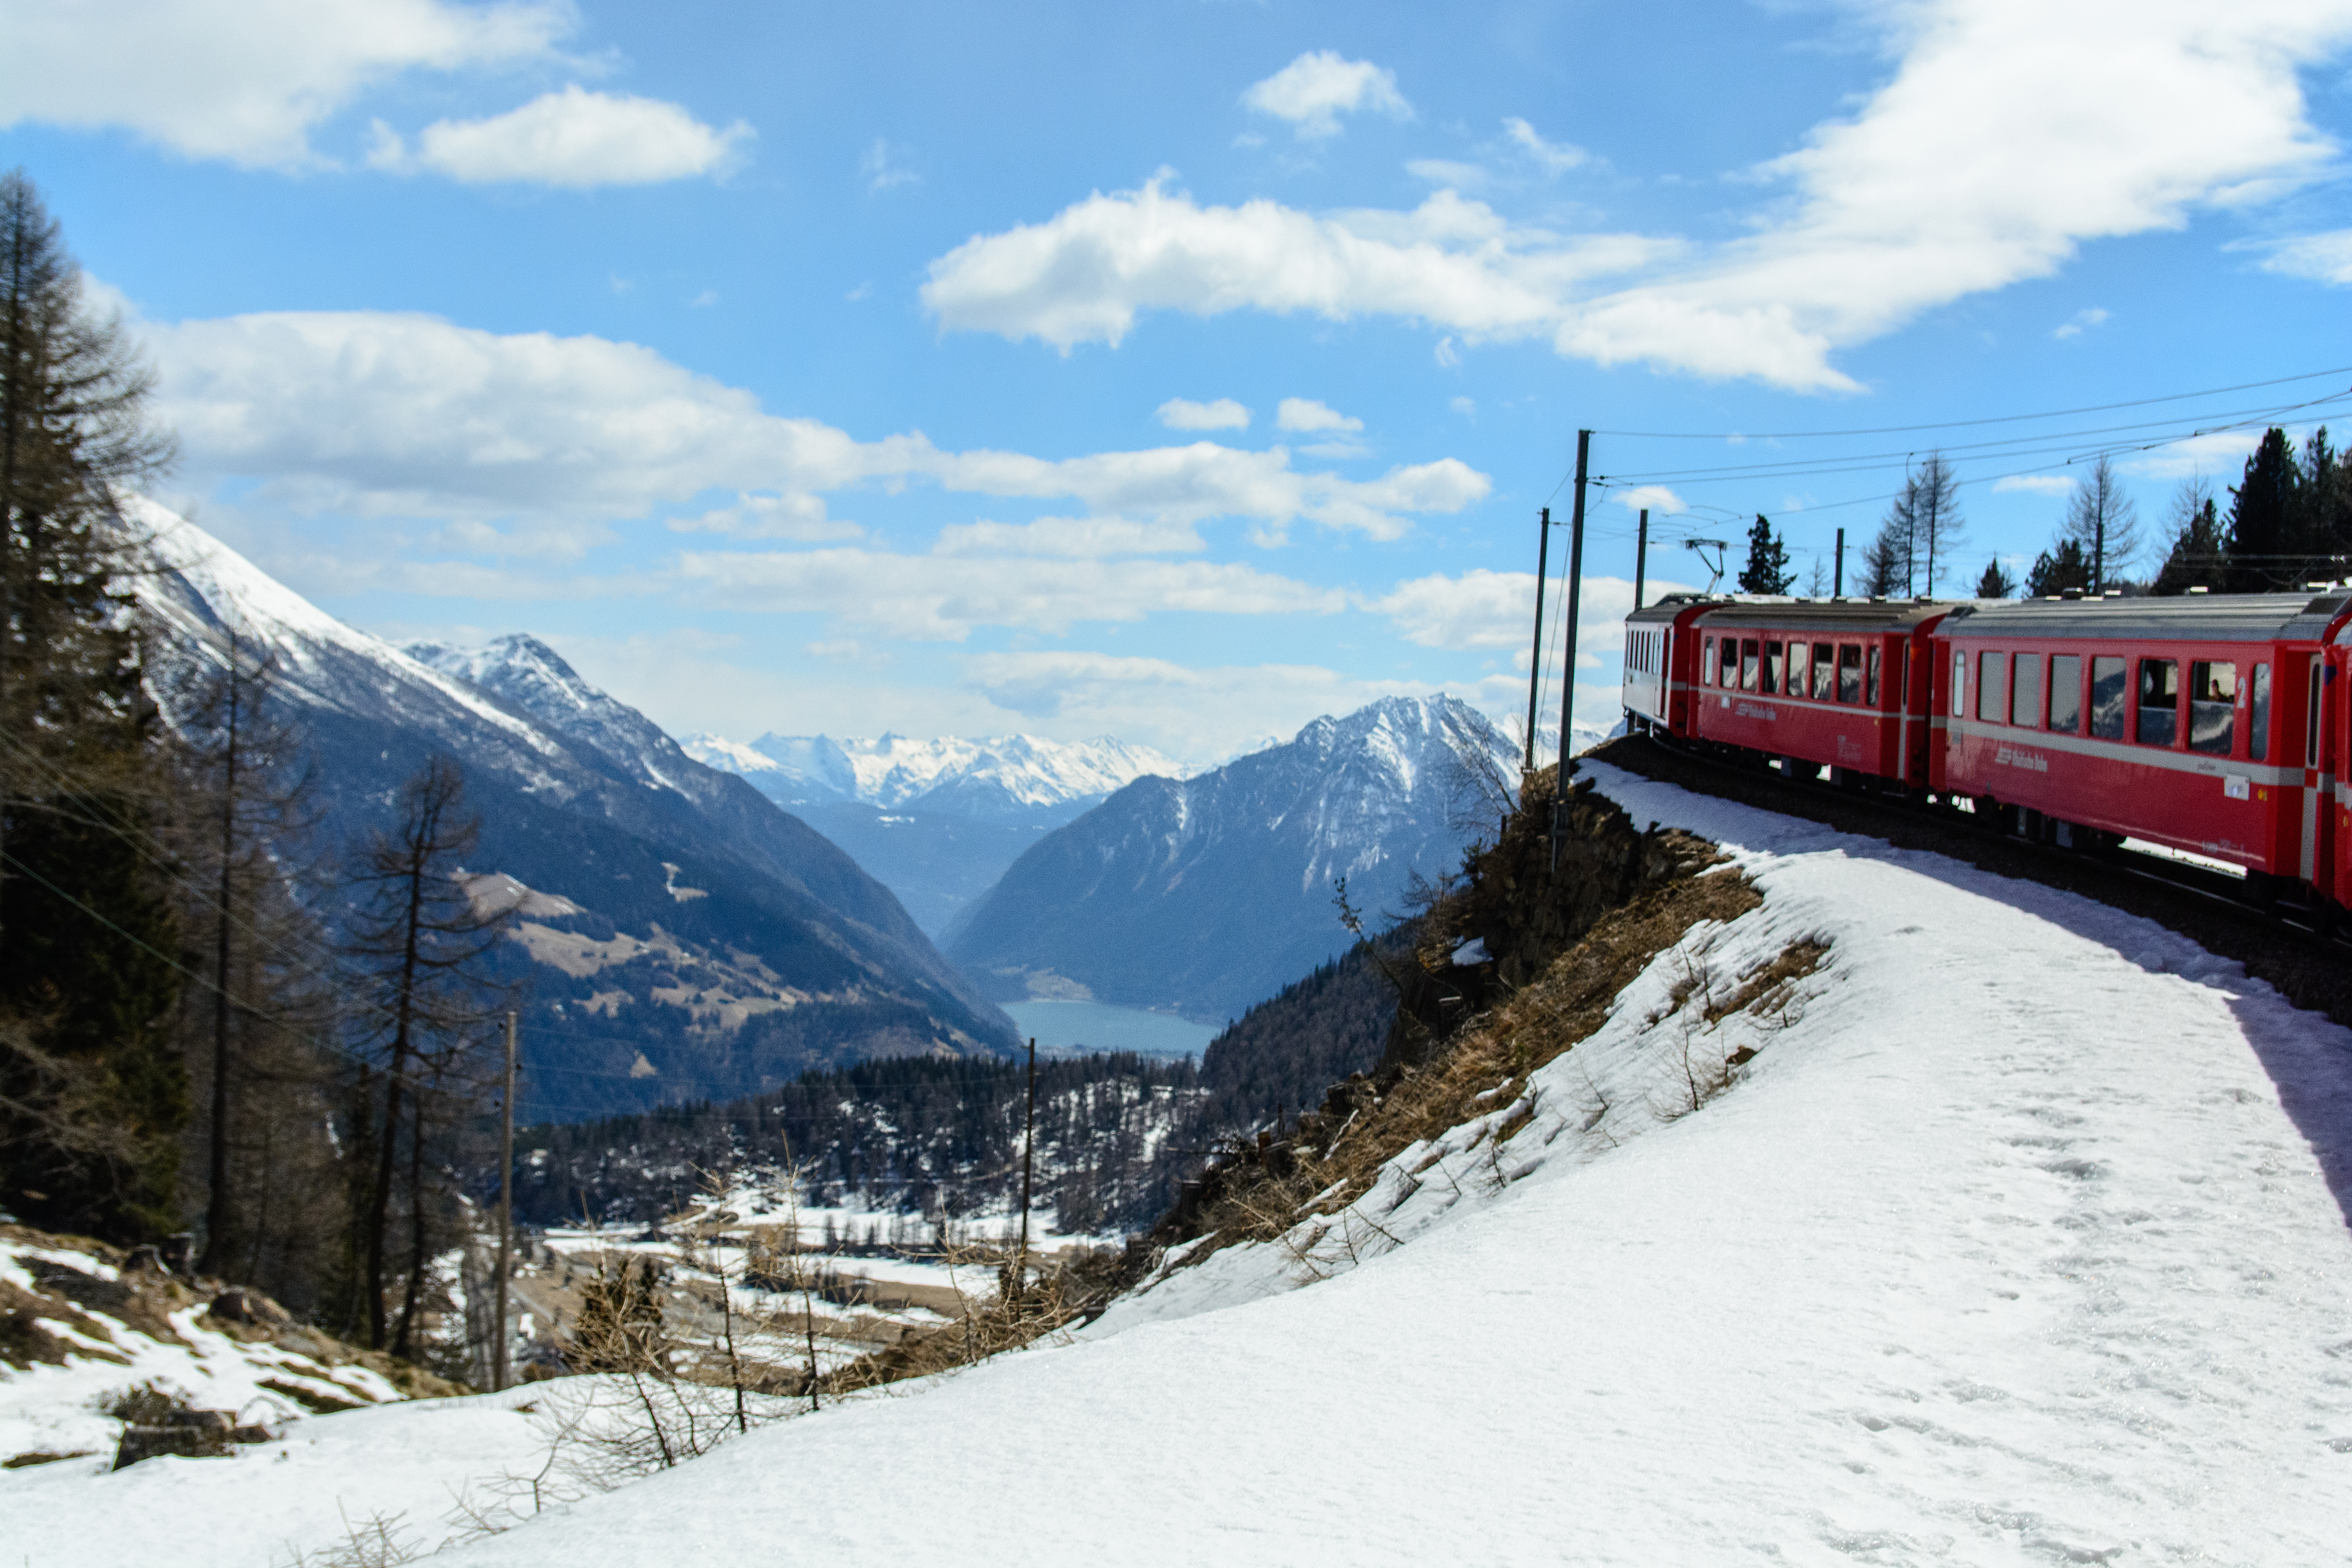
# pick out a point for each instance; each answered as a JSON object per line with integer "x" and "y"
{"x": 999, "y": 775}
{"x": 794, "y": 956}
{"x": 1207, "y": 894}
{"x": 2017, "y": 1246}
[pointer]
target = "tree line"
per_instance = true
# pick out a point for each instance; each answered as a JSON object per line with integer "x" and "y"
{"x": 211, "y": 1026}
{"x": 2287, "y": 522}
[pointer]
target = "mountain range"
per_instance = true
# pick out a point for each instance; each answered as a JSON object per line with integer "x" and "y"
{"x": 683, "y": 937}
{"x": 1202, "y": 896}
{"x": 938, "y": 821}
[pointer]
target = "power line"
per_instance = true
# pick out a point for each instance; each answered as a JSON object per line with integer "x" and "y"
{"x": 1964, "y": 424}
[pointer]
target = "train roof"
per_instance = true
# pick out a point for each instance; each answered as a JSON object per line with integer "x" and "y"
{"x": 1880, "y": 616}
{"x": 2191, "y": 617}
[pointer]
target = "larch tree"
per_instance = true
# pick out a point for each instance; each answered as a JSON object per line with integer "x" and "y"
{"x": 93, "y": 1095}
{"x": 423, "y": 945}
{"x": 2101, "y": 517}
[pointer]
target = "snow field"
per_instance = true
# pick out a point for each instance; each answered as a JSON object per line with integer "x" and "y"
{"x": 2005, "y": 1249}
{"x": 414, "y": 1464}
{"x": 54, "y": 1409}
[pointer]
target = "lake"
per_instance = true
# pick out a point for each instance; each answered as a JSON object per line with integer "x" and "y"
{"x": 1099, "y": 1026}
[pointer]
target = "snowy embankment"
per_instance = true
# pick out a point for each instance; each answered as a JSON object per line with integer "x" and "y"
{"x": 2009, "y": 1242}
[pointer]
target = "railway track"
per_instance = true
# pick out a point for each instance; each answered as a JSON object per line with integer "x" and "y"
{"x": 2283, "y": 944}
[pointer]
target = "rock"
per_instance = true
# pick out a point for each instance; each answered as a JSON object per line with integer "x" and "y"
{"x": 248, "y": 1307}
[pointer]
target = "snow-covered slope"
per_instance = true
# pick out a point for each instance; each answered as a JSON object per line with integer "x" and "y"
{"x": 1002, "y": 776}
{"x": 1208, "y": 894}
{"x": 2023, "y": 1242}
{"x": 703, "y": 907}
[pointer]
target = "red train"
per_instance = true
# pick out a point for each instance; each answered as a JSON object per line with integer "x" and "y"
{"x": 2201, "y": 723}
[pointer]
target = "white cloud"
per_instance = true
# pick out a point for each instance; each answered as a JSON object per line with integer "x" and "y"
{"x": 1445, "y": 354}
{"x": 800, "y": 518}
{"x": 884, "y": 169}
{"x": 2009, "y": 135}
{"x": 1084, "y": 274}
{"x": 571, "y": 138}
{"x": 2036, "y": 484}
{"x": 379, "y": 413}
{"x": 247, "y": 83}
{"x": 1089, "y": 537}
{"x": 1552, "y": 157}
{"x": 1488, "y": 609}
{"x": 943, "y": 597}
{"x": 1465, "y": 406}
{"x": 2080, "y": 322}
{"x": 2323, "y": 257}
{"x": 1306, "y": 414}
{"x": 2218, "y": 452}
{"x": 1313, "y": 91}
{"x": 1183, "y": 414}
{"x": 1446, "y": 172}
{"x": 1656, "y": 498}
{"x": 1200, "y": 715}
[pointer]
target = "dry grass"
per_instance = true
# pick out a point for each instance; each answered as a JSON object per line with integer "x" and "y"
{"x": 1334, "y": 1156}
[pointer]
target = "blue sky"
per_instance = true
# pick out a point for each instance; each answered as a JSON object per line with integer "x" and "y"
{"x": 1178, "y": 372}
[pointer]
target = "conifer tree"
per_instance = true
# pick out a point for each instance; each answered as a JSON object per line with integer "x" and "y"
{"x": 1767, "y": 570}
{"x": 91, "y": 1092}
{"x": 2263, "y": 552}
{"x": 2101, "y": 519}
{"x": 2198, "y": 556}
{"x": 1996, "y": 583}
{"x": 2057, "y": 572}
{"x": 423, "y": 946}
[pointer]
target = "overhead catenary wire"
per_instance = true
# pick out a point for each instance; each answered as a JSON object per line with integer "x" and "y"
{"x": 1965, "y": 424}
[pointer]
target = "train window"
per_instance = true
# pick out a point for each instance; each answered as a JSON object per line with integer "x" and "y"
{"x": 2258, "y": 715}
{"x": 1707, "y": 664}
{"x": 1748, "y": 664}
{"x": 1730, "y": 661}
{"x": 1849, "y": 672}
{"x": 1959, "y": 684}
{"x": 2159, "y": 702}
{"x": 2066, "y": 692}
{"x": 1824, "y": 671}
{"x": 1870, "y": 682}
{"x": 1993, "y": 693}
{"x": 2107, "y": 691}
{"x": 2311, "y": 733}
{"x": 2025, "y": 690}
{"x": 2212, "y": 708}
{"x": 1771, "y": 666}
{"x": 1795, "y": 685}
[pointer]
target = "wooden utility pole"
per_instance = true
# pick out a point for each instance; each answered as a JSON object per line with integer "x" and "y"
{"x": 506, "y": 1214}
{"x": 1028, "y": 1163}
{"x": 1641, "y": 556}
{"x": 1575, "y": 593}
{"x": 1837, "y": 583}
{"x": 1535, "y": 658}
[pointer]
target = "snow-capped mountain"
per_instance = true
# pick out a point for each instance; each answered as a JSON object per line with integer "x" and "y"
{"x": 693, "y": 939}
{"x": 1000, "y": 775}
{"x": 1207, "y": 894}
{"x": 938, "y": 821}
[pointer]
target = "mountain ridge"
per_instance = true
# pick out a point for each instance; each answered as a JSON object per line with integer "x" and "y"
{"x": 1207, "y": 894}
{"x": 720, "y": 944}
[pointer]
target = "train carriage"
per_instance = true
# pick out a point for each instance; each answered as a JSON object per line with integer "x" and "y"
{"x": 1838, "y": 683}
{"x": 2194, "y": 722}
{"x": 1661, "y": 663}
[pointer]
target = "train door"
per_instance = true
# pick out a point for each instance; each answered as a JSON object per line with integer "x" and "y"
{"x": 2315, "y": 806}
